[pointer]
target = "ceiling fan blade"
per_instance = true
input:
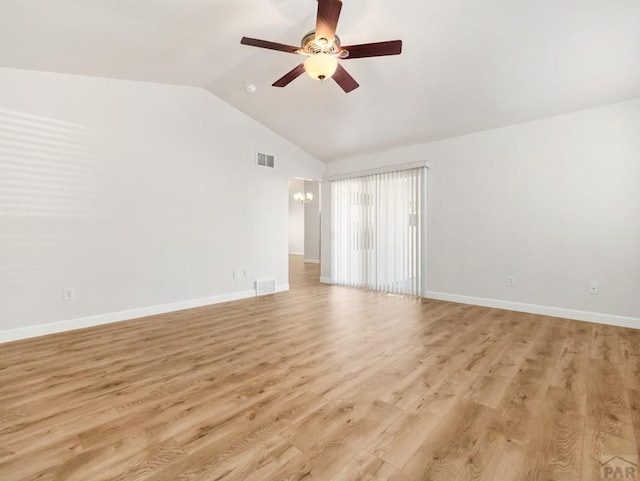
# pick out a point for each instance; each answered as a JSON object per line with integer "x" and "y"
{"x": 289, "y": 77}
{"x": 345, "y": 80}
{"x": 377, "y": 49}
{"x": 327, "y": 20}
{"x": 254, "y": 42}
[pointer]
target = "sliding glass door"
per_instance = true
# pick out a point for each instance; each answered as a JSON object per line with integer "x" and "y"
{"x": 377, "y": 233}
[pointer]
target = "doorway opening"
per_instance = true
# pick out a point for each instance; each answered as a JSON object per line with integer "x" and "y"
{"x": 304, "y": 232}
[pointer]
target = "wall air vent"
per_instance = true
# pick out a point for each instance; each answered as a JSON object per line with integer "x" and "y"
{"x": 265, "y": 160}
{"x": 265, "y": 286}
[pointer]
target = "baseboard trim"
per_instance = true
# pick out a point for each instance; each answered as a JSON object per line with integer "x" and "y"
{"x": 326, "y": 280}
{"x": 80, "y": 323}
{"x": 600, "y": 318}
{"x": 100, "y": 319}
{"x": 312, "y": 261}
{"x": 296, "y": 253}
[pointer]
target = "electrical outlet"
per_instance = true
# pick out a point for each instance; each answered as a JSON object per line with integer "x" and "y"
{"x": 68, "y": 294}
{"x": 594, "y": 287}
{"x": 511, "y": 281}
{"x": 246, "y": 272}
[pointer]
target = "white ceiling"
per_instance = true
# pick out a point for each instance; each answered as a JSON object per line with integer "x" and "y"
{"x": 466, "y": 65}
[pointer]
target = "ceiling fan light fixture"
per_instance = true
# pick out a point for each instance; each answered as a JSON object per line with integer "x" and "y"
{"x": 321, "y": 66}
{"x": 323, "y": 50}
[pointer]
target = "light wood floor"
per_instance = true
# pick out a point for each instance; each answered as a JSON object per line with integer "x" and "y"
{"x": 321, "y": 383}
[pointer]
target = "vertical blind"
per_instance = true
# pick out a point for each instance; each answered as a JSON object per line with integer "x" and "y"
{"x": 377, "y": 230}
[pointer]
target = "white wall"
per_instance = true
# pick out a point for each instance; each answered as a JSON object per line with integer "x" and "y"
{"x": 312, "y": 223}
{"x": 296, "y": 219}
{"x": 555, "y": 202}
{"x": 138, "y": 195}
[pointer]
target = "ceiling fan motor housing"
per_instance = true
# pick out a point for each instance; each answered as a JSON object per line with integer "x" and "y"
{"x": 312, "y": 46}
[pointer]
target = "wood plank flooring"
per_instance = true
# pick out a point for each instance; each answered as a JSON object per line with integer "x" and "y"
{"x": 321, "y": 383}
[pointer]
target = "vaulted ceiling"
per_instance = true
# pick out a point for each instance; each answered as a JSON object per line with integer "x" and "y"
{"x": 466, "y": 65}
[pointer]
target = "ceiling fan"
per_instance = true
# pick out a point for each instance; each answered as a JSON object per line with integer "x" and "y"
{"x": 322, "y": 49}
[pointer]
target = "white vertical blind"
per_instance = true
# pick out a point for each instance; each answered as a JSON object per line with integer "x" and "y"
{"x": 377, "y": 229}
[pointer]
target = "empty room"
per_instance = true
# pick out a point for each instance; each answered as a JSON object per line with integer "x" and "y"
{"x": 319, "y": 240}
